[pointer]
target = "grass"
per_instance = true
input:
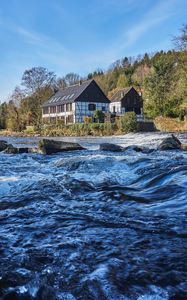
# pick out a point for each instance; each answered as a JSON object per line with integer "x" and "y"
{"x": 170, "y": 124}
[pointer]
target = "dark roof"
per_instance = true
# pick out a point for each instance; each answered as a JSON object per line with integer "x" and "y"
{"x": 73, "y": 93}
{"x": 119, "y": 95}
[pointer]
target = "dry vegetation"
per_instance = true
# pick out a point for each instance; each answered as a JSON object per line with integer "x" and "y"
{"x": 170, "y": 124}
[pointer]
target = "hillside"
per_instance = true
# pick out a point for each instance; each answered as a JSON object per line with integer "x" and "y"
{"x": 161, "y": 78}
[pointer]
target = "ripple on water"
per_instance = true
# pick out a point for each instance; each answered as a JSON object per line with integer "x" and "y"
{"x": 89, "y": 225}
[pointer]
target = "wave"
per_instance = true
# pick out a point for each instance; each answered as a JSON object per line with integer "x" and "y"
{"x": 89, "y": 225}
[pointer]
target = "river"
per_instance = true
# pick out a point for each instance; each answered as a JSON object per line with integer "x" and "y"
{"x": 94, "y": 225}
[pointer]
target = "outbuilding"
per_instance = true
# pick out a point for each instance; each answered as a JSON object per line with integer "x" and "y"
{"x": 127, "y": 100}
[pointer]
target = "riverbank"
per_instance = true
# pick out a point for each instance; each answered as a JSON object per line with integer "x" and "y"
{"x": 94, "y": 129}
{"x": 162, "y": 124}
{"x": 8, "y": 133}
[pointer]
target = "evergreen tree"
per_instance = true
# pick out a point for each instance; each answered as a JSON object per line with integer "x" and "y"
{"x": 157, "y": 87}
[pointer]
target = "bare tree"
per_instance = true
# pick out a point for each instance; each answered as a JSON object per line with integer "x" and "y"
{"x": 180, "y": 41}
{"x": 39, "y": 85}
{"x": 37, "y": 78}
{"x": 60, "y": 83}
{"x": 72, "y": 78}
{"x": 17, "y": 96}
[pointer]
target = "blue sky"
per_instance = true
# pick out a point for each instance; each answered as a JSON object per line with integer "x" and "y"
{"x": 80, "y": 35}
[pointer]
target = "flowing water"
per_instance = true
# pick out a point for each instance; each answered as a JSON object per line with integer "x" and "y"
{"x": 94, "y": 225}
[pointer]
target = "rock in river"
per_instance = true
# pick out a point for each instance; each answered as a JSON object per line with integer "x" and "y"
{"x": 170, "y": 143}
{"x": 13, "y": 150}
{"x": 3, "y": 145}
{"x": 117, "y": 148}
{"x": 134, "y": 148}
{"x": 51, "y": 146}
{"x": 10, "y": 149}
{"x": 184, "y": 147}
{"x": 111, "y": 147}
{"x": 35, "y": 150}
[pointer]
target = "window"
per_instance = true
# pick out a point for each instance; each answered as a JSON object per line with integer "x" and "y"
{"x": 45, "y": 110}
{"x": 71, "y": 96}
{"x": 114, "y": 109}
{"x": 91, "y": 107}
{"x": 51, "y": 100}
{"x": 61, "y": 120}
{"x": 69, "y": 119}
{"x": 52, "y": 109}
{"x": 69, "y": 107}
{"x": 60, "y": 108}
{"x": 103, "y": 108}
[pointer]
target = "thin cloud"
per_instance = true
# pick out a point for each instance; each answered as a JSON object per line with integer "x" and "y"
{"x": 158, "y": 14}
{"x": 51, "y": 51}
{"x": 33, "y": 38}
{"x": 29, "y": 37}
{"x": 45, "y": 50}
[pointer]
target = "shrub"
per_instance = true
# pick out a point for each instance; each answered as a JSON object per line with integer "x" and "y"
{"x": 182, "y": 114}
{"x": 60, "y": 122}
{"x": 80, "y": 129}
{"x": 99, "y": 116}
{"x": 129, "y": 122}
{"x": 110, "y": 128}
{"x": 87, "y": 120}
{"x": 29, "y": 129}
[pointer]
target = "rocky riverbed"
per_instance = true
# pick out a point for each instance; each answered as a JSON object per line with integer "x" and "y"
{"x": 93, "y": 224}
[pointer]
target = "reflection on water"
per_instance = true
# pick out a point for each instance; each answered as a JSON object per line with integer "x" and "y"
{"x": 94, "y": 225}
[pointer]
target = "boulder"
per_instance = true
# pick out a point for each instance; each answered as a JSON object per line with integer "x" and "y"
{"x": 3, "y": 145}
{"x": 176, "y": 139}
{"x": 47, "y": 146}
{"x": 13, "y": 150}
{"x": 117, "y": 148}
{"x": 184, "y": 147}
{"x": 170, "y": 143}
{"x": 111, "y": 147}
{"x": 134, "y": 148}
{"x": 35, "y": 150}
{"x": 139, "y": 149}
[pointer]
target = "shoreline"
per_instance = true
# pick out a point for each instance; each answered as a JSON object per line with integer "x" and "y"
{"x": 37, "y": 135}
{"x": 161, "y": 125}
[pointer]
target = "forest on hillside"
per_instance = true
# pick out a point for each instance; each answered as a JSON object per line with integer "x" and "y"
{"x": 161, "y": 77}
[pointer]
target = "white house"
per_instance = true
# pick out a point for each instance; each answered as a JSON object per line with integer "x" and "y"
{"x": 76, "y": 102}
